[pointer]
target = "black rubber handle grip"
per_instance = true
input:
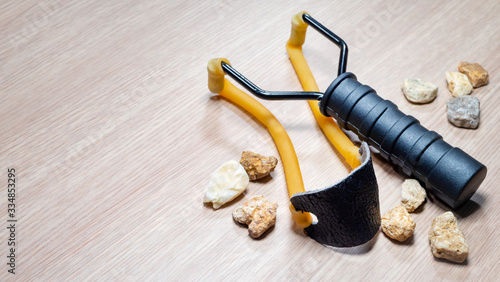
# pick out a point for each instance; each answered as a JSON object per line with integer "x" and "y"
{"x": 450, "y": 173}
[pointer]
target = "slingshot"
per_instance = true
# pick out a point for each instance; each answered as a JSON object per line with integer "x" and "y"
{"x": 348, "y": 212}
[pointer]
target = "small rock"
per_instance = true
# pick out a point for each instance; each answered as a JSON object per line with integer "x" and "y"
{"x": 398, "y": 224}
{"x": 419, "y": 91}
{"x": 477, "y": 75}
{"x": 258, "y": 213}
{"x": 226, "y": 183}
{"x": 463, "y": 111}
{"x": 446, "y": 239}
{"x": 458, "y": 83}
{"x": 412, "y": 195}
{"x": 257, "y": 166}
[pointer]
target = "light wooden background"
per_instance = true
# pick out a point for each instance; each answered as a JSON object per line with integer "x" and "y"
{"x": 107, "y": 119}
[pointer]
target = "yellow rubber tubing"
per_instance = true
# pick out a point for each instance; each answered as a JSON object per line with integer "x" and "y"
{"x": 283, "y": 143}
{"x": 340, "y": 141}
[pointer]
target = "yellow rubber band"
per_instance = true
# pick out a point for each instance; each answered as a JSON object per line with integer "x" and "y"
{"x": 342, "y": 143}
{"x": 285, "y": 147}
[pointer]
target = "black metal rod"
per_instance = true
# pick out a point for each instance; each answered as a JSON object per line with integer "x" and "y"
{"x": 333, "y": 37}
{"x": 269, "y": 95}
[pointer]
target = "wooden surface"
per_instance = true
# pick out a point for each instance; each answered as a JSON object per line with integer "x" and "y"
{"x": 108, "y": 122}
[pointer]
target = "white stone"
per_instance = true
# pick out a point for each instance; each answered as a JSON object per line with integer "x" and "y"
{"x": 419, "y": 91}
{"x": 227, "y": 183}
{"x": 412, "y": 195}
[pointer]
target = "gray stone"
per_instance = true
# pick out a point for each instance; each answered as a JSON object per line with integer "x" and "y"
{"x": 463, "y": 111}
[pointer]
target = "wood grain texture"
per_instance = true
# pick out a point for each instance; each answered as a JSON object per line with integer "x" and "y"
{"x": 107, "y": 119}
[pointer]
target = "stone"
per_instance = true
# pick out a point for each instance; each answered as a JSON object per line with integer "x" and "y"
{"x": 419, "y": 91}
{"x": 257, "y": 166}
{"x": 477, "y": 75}
{"x": 258, "y": 213}
{"x": 412, "y": 195}
{"x": 458, "y": 83}
{"x": 226, "y": 183}
{"x": 446, "y": 239}
{"x": 463, "y": 111}
{"x": 398, "y": 224}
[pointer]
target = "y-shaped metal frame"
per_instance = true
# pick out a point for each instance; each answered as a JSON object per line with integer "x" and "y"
{"x": 333, "y": 37}
{"x": 269, "y": 95}
{"x": 293, "y": 95}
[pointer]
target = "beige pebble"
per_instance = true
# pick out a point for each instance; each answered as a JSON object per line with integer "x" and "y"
{"x": 398, "y": 224}
{"x": 412, "y": 195}
{"x": 419, "y": 91}
{"x": 446, "y": 239}
{"x": 258, "y": 213}
{"x": 257, "y": 166}
{"x": 458, "y": 83}
{"x": 226, "y": 183}
{"x": 477, "y": 75}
